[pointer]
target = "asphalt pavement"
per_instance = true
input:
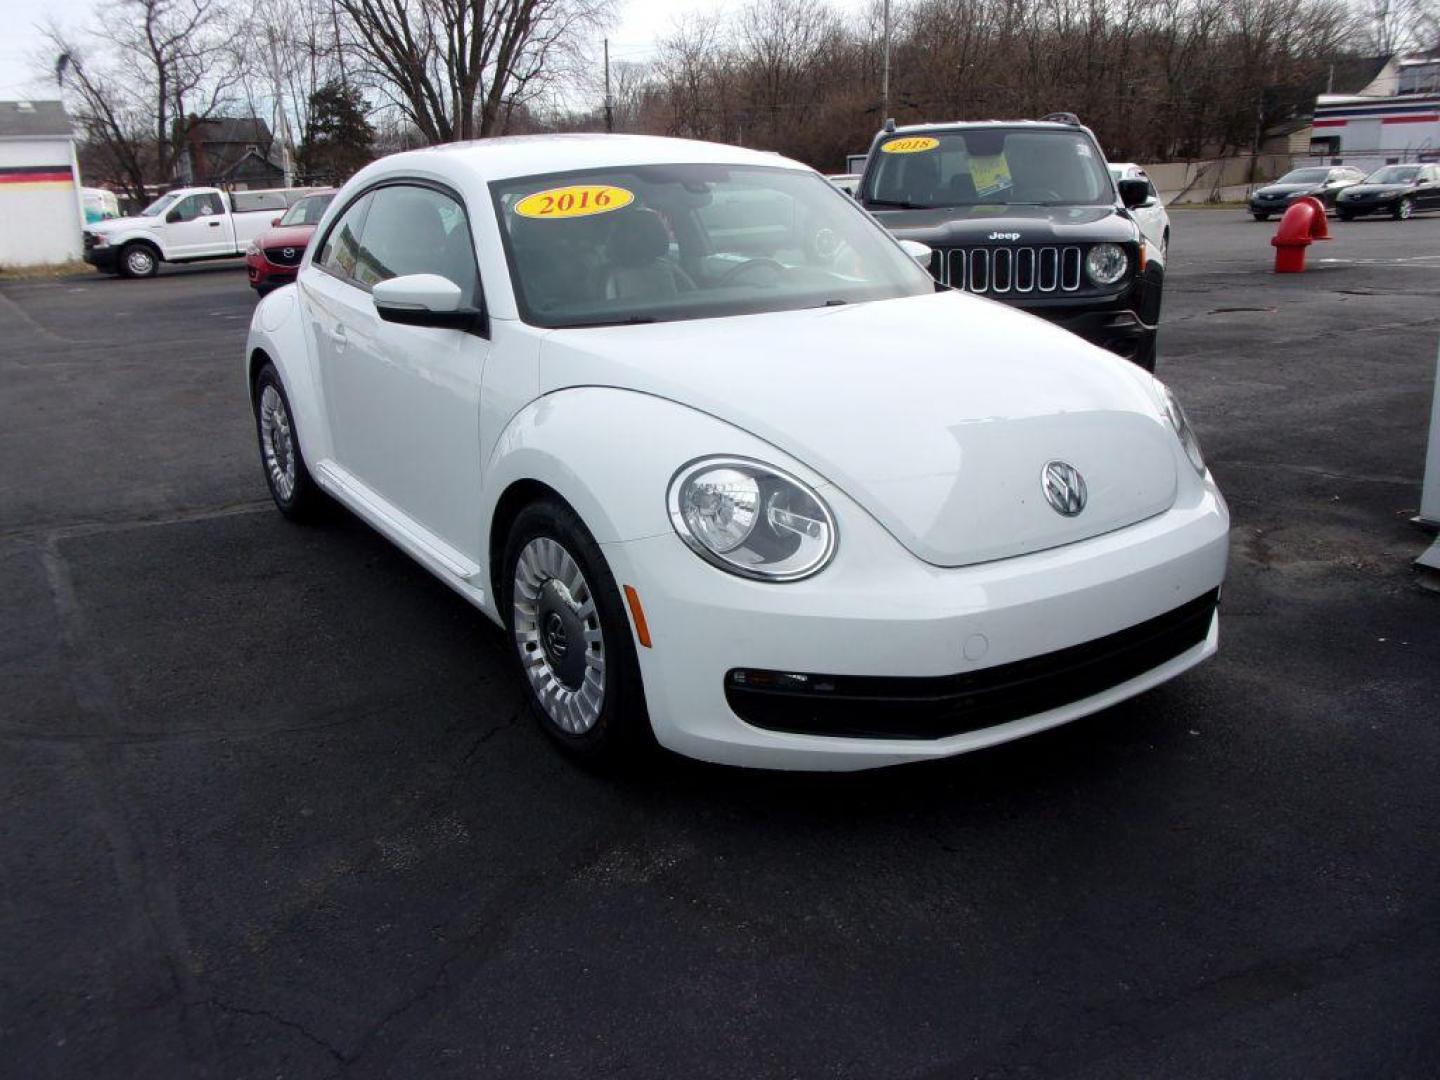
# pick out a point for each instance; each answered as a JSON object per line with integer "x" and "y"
{"x": 269, "y": 806}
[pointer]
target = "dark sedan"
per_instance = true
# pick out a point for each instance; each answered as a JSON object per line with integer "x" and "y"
{"x": 1397, "y": 190}
{"x": 1323, "y": 182}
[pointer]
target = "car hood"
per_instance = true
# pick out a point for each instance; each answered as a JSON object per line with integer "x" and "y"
{"x": 1287, "y": 189}
{"x": 1371, "y": 190}
{"x": 121, "y": 224}
{"x": 936, "y": 413}
{"x": 286, "y": 236}
{"x": 962, "y": 226}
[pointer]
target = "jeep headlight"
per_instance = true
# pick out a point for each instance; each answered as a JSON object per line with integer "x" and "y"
{"x": 1106, "y": 264}
{"x": 751, "y": 519}
{"x": 1181, "y": 424}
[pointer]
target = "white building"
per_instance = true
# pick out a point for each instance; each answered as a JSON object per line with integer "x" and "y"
{"x": 1394, "y": 118}
{"x": 40, "y": 208}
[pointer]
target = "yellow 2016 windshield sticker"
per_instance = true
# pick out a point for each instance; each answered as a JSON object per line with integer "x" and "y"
{"x": 579, "y": 200}
{"x": 914, "y": 144}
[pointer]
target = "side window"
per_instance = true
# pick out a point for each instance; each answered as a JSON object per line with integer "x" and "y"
{"x": 190, "y": 207}
{"x": 416, "y": 230}
{"x": 342, "y": 243}
{"x": 211, "y": 204}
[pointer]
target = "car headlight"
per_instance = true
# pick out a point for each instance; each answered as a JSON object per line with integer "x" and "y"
{"x": 751, "y": 519}
{"x": 1178, "y": 420}
{"x": 253, "y": 249}
{"x": 1106, "y": 264}
{"x": 98, "y": 240}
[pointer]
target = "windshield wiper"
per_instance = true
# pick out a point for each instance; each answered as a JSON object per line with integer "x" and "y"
{"x": 630, "y": 320}
{"x": 898, "y": 204}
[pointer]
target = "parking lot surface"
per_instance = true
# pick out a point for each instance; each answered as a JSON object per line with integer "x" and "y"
{"x": 268, "y": 805}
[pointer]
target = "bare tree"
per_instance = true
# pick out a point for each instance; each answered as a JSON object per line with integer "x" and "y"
{"x": 458, "y": 68}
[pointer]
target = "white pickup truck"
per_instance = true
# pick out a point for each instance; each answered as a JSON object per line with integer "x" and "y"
{"x": 186, "y": 225}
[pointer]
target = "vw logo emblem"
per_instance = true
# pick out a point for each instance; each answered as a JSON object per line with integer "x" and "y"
{"x": 289, "y": 253}
{"x": 1064, "y": 488}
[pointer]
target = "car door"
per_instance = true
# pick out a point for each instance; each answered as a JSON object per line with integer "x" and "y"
{"x": 404, "y": 401}
{"x": 195, "y": 227}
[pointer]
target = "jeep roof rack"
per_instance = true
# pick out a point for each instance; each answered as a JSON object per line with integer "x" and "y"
{"x": 1061, "y": 118}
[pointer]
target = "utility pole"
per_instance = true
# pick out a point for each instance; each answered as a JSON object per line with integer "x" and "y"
{"x": 609, "y": 105}
{"x": 885, "y": 70}
{"x": 287, "y": 142}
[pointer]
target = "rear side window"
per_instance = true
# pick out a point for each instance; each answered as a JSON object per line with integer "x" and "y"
{"x": 341, "y": 253}
{"x": 416, "y": 230}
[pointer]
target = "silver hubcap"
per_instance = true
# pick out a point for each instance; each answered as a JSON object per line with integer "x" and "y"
{"x": 140, "y": 262}
{"x": 277, "y": 443}
{"x": 557, "y": 631}
{"x": 1405, "y": 208}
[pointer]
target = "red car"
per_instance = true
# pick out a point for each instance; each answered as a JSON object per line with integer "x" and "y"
{"x": 273, "y": 257}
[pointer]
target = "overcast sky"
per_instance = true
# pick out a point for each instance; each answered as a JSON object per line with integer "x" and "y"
{"x": 633, "y": 38}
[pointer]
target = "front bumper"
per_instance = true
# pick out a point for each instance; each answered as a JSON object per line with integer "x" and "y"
{"x": 105, "y": 259}
{"x": 878, "y": 613}
{"x": 1366, "y": 206}
{"x": 267, "y": 275}
{"x": 1116, "y": 322}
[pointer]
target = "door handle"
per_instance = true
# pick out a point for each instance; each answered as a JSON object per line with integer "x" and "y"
{"x": 338, "y": 337}
{"x": 214, "y": 224}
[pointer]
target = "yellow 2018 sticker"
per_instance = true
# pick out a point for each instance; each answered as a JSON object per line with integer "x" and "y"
{"x": 580, "y": 200}
{"x": 914, "y": 144}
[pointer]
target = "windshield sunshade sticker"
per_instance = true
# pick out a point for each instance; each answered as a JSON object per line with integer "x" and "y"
{"x": 579, "y": 200}
{"x": 990, "y": 174}
{"x": 915, "y": 144}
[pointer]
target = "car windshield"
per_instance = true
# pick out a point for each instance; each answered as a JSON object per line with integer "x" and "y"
{"x": 1305, "y": 176}
{"x": 160, "y": 205}
{"x": 988, "y": 167}
{"x": 1393, "y": 174}
{"x": 662, "y": 242}
{"x": 308, "y": 211}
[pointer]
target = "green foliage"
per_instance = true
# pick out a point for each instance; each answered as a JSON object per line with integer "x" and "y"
{"x": 338, "y": 137}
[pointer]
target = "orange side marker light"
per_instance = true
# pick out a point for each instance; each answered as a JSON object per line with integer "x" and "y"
{"x": 642, "y": 628}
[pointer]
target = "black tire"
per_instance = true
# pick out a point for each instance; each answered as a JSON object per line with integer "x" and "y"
{"x": 1261, "y": 217}
{"x": 304, "y": 501}
{"x": 138, "y": 260}
{"x": 1404, "y": 209}
{"x": 1344, "y": 215}
{"x": 620, "y": 735}
{"x": 1145, "y": 354}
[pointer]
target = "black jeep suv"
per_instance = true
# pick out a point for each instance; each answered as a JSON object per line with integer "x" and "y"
{"x": 1024, "y": 212}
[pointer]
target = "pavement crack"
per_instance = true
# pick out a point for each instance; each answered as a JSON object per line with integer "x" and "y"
{"x": 275, "y": 1018}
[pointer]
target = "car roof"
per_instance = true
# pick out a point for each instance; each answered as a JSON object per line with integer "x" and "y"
{"x": 526, "y": 155}
{"x": 961, "y": 125}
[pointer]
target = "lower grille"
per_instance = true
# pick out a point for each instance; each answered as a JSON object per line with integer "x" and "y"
{"x": 881, "y": 707}
{"x": 997, "y": 271}
{"x": 285, "y": 256}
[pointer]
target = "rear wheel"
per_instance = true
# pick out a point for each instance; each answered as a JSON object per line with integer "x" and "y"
{"x": 1404, "y": 209}
{"x": 1345, "y": 215}
{"x": 572, "y": 637}
{"x": 139, "y": 261}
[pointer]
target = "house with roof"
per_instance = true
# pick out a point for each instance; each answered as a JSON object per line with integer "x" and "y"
{"x": 40, "y": 207}
{"x": 1393, "y": 117}
{"x": 234, "y": 152}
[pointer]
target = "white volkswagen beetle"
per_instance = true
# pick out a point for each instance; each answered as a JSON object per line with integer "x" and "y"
{"x": 732, "y": 473}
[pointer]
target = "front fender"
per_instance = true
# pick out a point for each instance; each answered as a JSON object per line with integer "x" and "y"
{"x": 611, "y": 453}
{"x": 120, "y": 238}
{"x": 278, "y": 331}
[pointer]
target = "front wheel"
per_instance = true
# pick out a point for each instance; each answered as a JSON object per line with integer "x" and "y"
{"x": 291, "y": 486}
{"x": 139, "y": 261}
{"x": 1345, "y": 215}
{"x": 1403, "y": 209}
{"x": 572, "y": 637}
{"x": 1261, "y": 217}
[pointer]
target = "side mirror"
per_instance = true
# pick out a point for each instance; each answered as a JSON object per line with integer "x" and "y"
{"x": 173, "y": 217}
{"x": 919, "y": 252}
{"x": 274, "y": 222}
{"x": 1135, "y": 194}
{"x": 424, "y": 300}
